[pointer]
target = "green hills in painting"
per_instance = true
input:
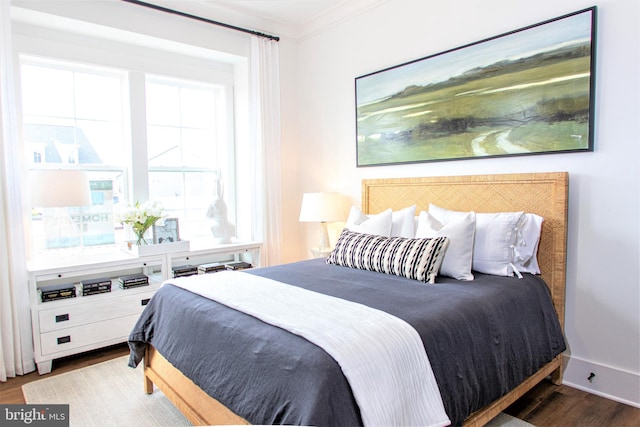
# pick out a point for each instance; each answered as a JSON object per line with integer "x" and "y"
{"x": 530, "y": 105}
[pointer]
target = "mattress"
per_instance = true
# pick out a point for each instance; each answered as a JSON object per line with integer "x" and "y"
{"x": 482, "y": 337}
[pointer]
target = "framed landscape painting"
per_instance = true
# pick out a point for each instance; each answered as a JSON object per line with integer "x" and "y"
{"x": 529, "y": 91}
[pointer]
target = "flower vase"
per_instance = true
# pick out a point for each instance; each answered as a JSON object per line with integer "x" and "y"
{"x": 141, "y": 238}
{"x": 141, "y": 241}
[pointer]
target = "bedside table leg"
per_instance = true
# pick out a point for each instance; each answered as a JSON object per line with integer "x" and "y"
{"x": 45, "y": 367}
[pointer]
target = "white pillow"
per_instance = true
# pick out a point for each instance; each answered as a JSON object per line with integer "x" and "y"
{"x": 526, "y": 250}
{"x": 402, "y": 222}
{"x": 379, "y": 224}
{"x": 495, "y": 239}
{"x": 356, "y": 216}
{"x": 460, "y": 231}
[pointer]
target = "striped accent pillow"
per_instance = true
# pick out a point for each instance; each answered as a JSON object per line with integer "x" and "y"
{"x": 417, "y": 259}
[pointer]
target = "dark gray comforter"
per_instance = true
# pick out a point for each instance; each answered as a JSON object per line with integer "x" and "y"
{"x": 483, "y": 338}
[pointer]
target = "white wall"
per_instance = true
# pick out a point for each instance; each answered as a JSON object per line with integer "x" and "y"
{"x": 603, "y": 300}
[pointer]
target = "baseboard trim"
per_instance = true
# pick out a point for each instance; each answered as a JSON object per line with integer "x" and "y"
{"x": 608, "y": 382}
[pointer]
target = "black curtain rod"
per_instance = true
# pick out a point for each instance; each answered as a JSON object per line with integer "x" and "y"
{"x": 199, "y": 18}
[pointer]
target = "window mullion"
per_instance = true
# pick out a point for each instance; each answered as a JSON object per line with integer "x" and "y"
{"x": 139, "y": 176}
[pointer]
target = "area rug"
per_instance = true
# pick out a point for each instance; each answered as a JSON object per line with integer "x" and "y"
{"x": 506, "y": 420}
{"x": 106, "y": 394}
{"x": 110, "y": 394}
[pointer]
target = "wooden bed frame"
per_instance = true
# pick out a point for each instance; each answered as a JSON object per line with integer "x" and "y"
{"x": 545, "y": 194}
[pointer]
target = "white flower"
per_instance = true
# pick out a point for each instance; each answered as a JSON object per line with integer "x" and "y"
{"x": 141, "y": 216}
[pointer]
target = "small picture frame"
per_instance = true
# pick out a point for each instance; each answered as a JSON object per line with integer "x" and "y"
{"x": 166, "y": 233}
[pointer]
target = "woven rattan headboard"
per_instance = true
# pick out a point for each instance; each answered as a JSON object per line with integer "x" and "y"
{"x": 545, "y": 194}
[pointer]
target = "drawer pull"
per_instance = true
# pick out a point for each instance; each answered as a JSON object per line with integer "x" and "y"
{"x": 145, "y": 301}
{"x": 62, "y": 317}
{"x": 64, "y": 340}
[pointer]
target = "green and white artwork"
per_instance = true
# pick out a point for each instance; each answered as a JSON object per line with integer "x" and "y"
{"x": 529, "y": 91}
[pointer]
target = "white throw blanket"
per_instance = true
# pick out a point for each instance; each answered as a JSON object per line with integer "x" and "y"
{"x": 382, "y": 356}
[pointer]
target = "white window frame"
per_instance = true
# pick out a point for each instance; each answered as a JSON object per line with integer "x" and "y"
{"x": 170, "y": 64}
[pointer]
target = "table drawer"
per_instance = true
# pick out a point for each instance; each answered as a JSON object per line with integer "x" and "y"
{"x": 69, "y": 316}
{"x": 91, "y": 334}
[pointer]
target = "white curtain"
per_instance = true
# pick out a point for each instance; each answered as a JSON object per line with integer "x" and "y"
{"x": 265, "y": 147}
{"x": 16, "y": 348}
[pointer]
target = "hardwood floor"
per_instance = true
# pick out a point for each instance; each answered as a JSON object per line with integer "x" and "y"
{"x": 547, "y": 405}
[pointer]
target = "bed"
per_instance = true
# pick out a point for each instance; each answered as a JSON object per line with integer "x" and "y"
{"x": 544, "y": 194}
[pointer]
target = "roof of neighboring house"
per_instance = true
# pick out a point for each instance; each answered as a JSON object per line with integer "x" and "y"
{"x": 50, "y": 135}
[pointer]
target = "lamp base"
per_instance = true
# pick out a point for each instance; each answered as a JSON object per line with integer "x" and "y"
{"x": 320, "y": 252}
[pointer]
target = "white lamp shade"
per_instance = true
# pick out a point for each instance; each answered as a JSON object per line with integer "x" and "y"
{"x": 321, "y": 207}
{"x": 59, "y": 188}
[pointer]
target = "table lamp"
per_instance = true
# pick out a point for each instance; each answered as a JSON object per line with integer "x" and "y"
{"x": 322, "y": 208}
{"x": 60, "y": 189}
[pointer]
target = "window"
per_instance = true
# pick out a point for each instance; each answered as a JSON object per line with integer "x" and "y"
{"x": 186, "y": 148}
{"x": 79, "y": 117}
{"x": 74, "y": 119}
